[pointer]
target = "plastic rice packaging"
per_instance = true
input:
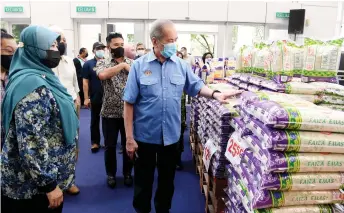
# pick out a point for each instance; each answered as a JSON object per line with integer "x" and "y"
{"x": 303, "y": 88}
{"x": 247, "y": 59}
{"x": 253, "y": 88}
{"x": 297, "y": 116}
{"x": 333, "y": 106}
{"x": 269, "y": 199}
{"x": 239, "y": 126}
{"x": 262, "y": 60}
{"x": 298, "y": 54}
{"x": 296, "y": 141}
{"x": 332, "y": 99}
{"x": 272, "y": 85}
{"x": 243, "y": 85}
{"x": 217, "y": 67}
{"x": 321, "y": 60}
{"x": 239, "y": 60}
{"x": 324, "y": 208}
{"x": 330, "y": 88}
{"x": 282, "y": 63}
{"x": 250, "y": 97}
{"x": 303, "y": 181}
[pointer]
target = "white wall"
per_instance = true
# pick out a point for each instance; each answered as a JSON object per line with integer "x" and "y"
{"x": 59, "y": 15}
{"x": 321, "y": 15}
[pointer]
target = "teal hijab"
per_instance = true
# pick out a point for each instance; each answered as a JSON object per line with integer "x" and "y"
{"x": 28, "y": 73}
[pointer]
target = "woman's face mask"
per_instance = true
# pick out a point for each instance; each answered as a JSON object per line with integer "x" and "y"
{"x": 6, "y": 61}
{"x": 62, "y": 48}
{"x": 52, "y": 59}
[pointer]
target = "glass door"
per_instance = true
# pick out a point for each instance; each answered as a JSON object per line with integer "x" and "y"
{"x": 88, "y": 35}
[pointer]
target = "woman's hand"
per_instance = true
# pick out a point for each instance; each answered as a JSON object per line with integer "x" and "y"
{"x": 55, "y": 198}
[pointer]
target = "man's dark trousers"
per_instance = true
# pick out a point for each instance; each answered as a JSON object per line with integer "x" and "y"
{"x": 111, "y": 128}
{"x": 148, "y": 157}
{"x": 95, "y": 121}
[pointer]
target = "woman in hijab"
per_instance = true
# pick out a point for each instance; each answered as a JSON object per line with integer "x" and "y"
{"x": 40, "y": 123}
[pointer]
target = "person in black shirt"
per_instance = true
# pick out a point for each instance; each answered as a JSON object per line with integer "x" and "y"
{"x": 93, "y": 93}
{"x": 79, "y": 63}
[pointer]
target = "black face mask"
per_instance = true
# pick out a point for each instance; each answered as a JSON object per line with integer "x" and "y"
{"x": 53, "y": 58}
{"x": 6, "y": 61}
{"x": 62, "y": 48}
{"x": 118, "y": 52}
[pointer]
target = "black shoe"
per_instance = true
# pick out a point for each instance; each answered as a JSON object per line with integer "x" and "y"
{"x": 111, "y": 181}
{"x": 128, "y": 180}
{"x": 179, "y": 167}
{"x": 95, "y": 148}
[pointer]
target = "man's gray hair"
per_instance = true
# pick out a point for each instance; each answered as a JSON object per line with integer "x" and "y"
{"x": 158, "y": 27}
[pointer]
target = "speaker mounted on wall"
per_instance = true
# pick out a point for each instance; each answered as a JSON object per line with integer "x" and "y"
{"x": 296, "y": 21}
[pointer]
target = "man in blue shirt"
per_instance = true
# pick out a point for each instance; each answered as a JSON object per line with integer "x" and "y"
{"x": 152, "y": 115}
{"x": 93, "y": 93}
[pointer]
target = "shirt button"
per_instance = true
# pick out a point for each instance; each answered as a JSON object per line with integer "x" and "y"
{"x": 164, "y": 87}
{"x": 164, "y": 99}
{"x": 163, "y": 77}
{"x": 163, "y": 121}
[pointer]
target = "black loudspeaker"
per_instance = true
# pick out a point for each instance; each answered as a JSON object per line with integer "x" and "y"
{"x": 296, "y": 21}
{"x": 110, "y": 28}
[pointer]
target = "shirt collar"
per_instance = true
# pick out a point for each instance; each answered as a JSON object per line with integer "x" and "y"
{"x": 152, "y": 57}
{"x": 63, "y": 58}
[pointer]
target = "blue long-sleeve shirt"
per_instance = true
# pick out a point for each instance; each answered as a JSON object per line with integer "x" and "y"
{"x": 155, "y": 89}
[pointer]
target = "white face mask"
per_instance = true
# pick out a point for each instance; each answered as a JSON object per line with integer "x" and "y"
{"x": 140, "y": 52}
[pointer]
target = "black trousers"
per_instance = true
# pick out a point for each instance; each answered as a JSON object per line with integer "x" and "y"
{"x": 38, "y": 203}
{"x": 148, "y": 156}
{"x": 81, "y": 92}
{"x": 180, "y": 146}
{"x": 111, "y": 128}
{"x": 95, "y": 121}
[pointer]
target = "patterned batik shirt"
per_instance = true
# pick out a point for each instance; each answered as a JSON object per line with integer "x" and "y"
{"x": 113, "y": 89}
{"x": 35, "y": 157}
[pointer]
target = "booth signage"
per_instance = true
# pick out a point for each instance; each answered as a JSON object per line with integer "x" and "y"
{"x": 85, "y": 9}
{"x": 14, "y": 9}
{"x": 282, "y": 15}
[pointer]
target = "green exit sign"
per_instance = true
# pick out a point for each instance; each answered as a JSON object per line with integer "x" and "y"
{"x": 85, "y": 9}
{"x": 14, "y": 9}
{"x": 282, "y": 15}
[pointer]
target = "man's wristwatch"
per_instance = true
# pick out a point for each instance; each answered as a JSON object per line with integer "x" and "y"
{"x": 215, "y": 91}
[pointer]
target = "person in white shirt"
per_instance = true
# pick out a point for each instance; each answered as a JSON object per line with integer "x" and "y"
{"x": 188, "y": 58}
{"x": 66, "y": 72}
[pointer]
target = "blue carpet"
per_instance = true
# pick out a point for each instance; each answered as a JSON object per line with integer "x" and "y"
{"x": 96, "y": 197}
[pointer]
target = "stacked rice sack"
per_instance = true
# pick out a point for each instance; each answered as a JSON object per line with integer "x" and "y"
{"x": 215, "y": 126}
{"x": 285, "y": 152}
{"x": 325, "y": 94}
{"x": 272, "y": 66}
{"x": 321, "y": 60}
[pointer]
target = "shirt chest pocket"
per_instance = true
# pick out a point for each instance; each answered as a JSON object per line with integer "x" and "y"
{"x": 149, "y": 87}
{"x": 177, "y": 83}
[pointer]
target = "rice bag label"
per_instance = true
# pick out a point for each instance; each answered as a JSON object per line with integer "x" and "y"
{"x": 303, "y": 181}
{"x": 306, "y": 162}
{"x": 297, "y": 198}
{"x": 209, "y": 151}
{"x": 297, "y": 116}
{"x": 300, "y": 209}
{"x": 235, "y": 149}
